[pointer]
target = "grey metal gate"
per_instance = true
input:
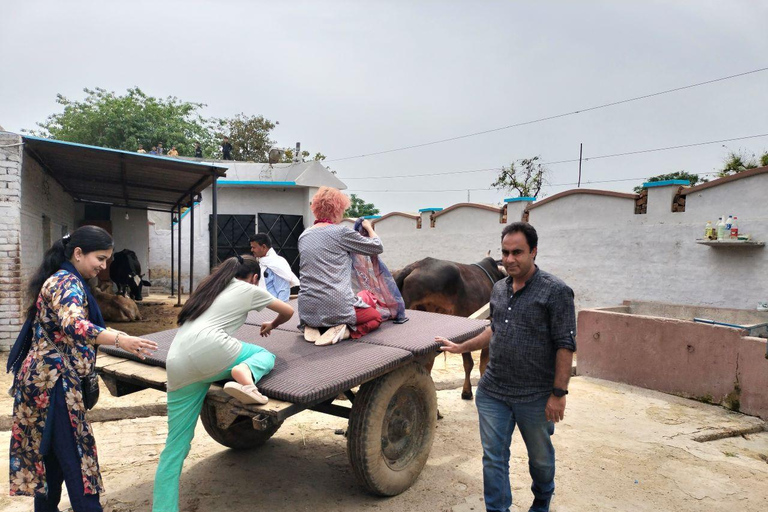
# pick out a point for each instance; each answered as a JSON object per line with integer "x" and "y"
{"x": 284, "y": 230}
{"x": 234, "y": 232}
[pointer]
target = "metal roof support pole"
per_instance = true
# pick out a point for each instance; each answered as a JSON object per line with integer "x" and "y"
{"x": 191, "y": 242}
{"x": 173, "y": 256}
{"x": 214, "y": 222}
{"x": 178, "y": 280}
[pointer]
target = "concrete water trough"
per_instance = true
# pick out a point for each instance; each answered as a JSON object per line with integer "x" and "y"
{"x": 715, "y": 355}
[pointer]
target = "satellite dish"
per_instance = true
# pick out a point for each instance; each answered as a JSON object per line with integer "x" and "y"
{"x": 274, "y": 155}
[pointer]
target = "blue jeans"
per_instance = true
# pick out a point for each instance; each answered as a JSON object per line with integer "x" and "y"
{"x": 497, "y": 423}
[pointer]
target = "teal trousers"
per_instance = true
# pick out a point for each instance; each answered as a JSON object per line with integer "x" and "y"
{"x": 183, "y": 410}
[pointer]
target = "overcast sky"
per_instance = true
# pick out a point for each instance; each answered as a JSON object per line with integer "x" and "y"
{"x": 351, "y": 78}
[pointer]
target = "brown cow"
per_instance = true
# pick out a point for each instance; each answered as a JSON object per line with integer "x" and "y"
{"x": 450, "y": 288}
{"x": 114, "y": 308}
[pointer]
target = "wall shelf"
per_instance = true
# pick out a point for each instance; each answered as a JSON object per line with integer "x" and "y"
{"x": 731, "y": 243}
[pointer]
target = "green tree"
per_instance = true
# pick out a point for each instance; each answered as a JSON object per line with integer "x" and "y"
{"x": 359, "y": 208}
{"x": 288, "y": 156}
{"x": 249, "y": 136}
{"x": 109, "y": 120}
{"x": 678, "y": 175}
{"x": 764, "y": 159}
{"x": 319, "y": 157}
{"x": 525, "y": 179}
{"x": 736, "y": 162}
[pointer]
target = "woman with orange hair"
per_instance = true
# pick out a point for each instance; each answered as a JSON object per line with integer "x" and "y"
{"x": 326, "y": 300}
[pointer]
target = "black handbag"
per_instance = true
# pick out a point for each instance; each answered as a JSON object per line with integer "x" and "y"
{"x": 88, "y": 384}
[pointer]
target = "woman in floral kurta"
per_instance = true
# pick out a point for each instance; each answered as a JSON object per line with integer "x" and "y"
{"x": 51, "y": 439}
{"x": 62, "y": 314}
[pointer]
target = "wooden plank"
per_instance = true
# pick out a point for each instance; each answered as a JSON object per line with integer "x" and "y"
{"x": 482, "y": 314}
{"x": 138, "y": 373}
{"x": 104, "y": 360}
{"x": 276, "y": 408}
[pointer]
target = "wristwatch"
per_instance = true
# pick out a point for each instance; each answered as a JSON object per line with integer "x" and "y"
{"x": 559, "y": 393}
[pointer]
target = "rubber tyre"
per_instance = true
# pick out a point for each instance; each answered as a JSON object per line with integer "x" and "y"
{"x": 391, "y": 429}
{"x": 240, "y": 435}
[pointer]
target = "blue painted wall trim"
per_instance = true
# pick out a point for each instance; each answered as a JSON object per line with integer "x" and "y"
{"x": 519, "y": 199}
{"x": 665, "y": 183}
{"x": 430, "y": 210}
{"x": 259, "y": 183}
{"x": 185, "y": 213}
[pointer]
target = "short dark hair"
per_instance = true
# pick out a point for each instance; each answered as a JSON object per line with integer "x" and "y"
{"x": 261, "y": 239}
{"x": 522, "y": 227}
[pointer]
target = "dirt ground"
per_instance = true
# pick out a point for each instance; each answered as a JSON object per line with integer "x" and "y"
{"x": 620, "y": 448}
{"x": 157, "y": 312}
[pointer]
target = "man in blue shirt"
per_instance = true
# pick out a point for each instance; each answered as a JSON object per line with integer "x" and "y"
{"x": 276, "y": 274}
{"x": 533, "y": 321}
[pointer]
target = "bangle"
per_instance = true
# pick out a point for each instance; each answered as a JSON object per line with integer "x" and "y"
{"x": 117, "y": 340}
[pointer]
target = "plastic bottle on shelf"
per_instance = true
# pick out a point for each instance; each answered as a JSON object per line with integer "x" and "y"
{"x": 720, "y": 229}
{"x": 735, "y": 229}
{"x": 708, "y": 231}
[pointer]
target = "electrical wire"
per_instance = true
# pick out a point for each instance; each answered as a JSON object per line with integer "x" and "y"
{"x": 550, "y": 118}
{"x": 488, "y": 189}
{"x": 585, "y": 159}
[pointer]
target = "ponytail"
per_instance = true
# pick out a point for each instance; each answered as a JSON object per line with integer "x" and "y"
{"x": 210, "y": 288}
{"x": 87, "y": 238}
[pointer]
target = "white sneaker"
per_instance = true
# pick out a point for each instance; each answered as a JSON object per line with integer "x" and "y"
{"x": 245, "y": 394}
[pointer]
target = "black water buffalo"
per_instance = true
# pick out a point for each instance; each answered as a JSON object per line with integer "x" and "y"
{"x": 441, "y": 286}
{"x": 125, "y": 272}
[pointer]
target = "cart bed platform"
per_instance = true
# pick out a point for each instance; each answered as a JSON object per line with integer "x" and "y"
{"x": 305, "y": 373}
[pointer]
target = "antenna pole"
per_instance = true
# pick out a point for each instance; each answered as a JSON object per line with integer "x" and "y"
{"x": 580, "y": 152}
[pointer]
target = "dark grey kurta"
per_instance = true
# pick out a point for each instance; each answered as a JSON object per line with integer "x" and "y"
{"x": 326, "y": 298}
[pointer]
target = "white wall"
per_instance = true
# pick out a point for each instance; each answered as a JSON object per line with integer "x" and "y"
{"x": 132, "y": 233}
{"x": 232, "y": 200}
{"x": 464, "y": 234}
{"x": 617, "y": 255}
{"x": 606, "y": 252}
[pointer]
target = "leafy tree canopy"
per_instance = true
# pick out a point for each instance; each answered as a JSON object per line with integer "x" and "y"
{"x": 526, "y": 179}
{"x": 115, "y": 121}
{"x": 110, "y": 120}
{"x": 249, "y": 136}
{"x": 740, "y": 161}
{"x": 359, "y": 208}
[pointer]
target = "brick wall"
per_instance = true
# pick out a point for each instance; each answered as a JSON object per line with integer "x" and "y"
{"x": 41, "y": 198}
{"x": 34, "y": 211}
{"x": 10, "y": 228}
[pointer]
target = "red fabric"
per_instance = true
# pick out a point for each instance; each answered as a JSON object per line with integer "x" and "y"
{"x": 368, "y": 319}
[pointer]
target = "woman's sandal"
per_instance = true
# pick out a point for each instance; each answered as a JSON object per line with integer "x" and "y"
{"x": 331, "y": 336}
{"x": 246, "y": 394}
{"x": 311, "y": 334}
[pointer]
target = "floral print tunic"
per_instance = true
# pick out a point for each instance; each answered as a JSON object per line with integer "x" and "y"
{"x": 63, "y": 314}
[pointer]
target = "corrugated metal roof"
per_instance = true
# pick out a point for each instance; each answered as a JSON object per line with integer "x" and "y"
{"x": 121, "y": 178}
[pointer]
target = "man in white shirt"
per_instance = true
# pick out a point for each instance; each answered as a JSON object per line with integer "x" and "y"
{"x": 276, "y": 274}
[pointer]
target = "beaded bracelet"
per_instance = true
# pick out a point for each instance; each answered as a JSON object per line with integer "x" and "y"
{"x": 117, "y": 340}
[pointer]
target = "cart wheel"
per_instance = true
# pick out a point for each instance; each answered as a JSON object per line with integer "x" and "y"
{"x": 240, "y": 435}
{"x": 391, "y": 429}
